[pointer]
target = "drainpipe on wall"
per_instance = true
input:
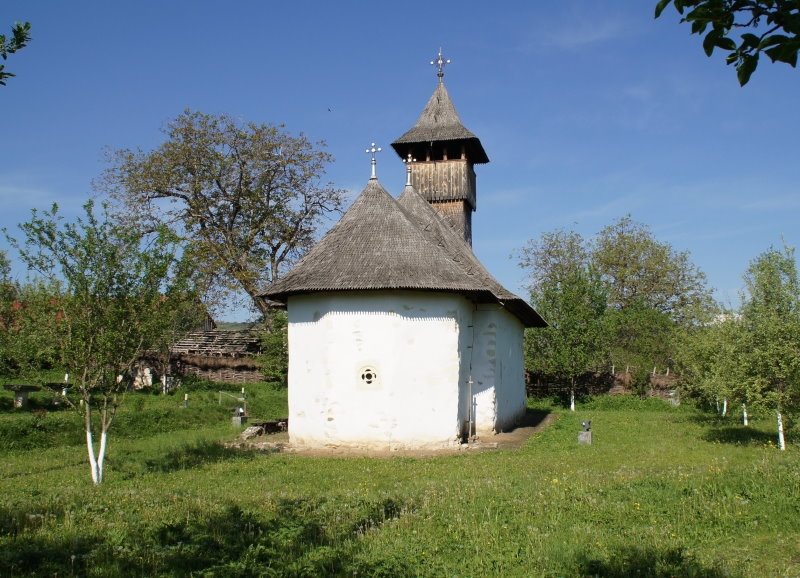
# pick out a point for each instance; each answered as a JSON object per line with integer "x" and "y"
{"x": 470, "y": 411}
{"x": 472, "y": 423}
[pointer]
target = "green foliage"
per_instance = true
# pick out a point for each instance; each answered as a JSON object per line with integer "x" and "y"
{"x": 41, "y": 429}
{"x": 573, "y": 300}
{"x": 245, "y": 197}
{"x": 750, "y": 356}
{"x": 770, "y": 324}
{"x": 720, "y": 19}
{"x": 274, "y": 358}
{"x": 622, "y": 297}
{"x": 568, "y": 293}
{"x": 9, "y": 292}
{"x": 107, "y": 296}
{"x": 709, "y": 362}
{"x": 20, "y": 36}
{"x": 642, "y": 338}
{"x": 644, "y": 273}
{"x": 27, "y": 345}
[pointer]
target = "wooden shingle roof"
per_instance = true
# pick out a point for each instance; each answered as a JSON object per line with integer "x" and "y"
{"x": 439, "y": 122}
{"x": 438, "y": 231}
{"x": 380, "y": 244}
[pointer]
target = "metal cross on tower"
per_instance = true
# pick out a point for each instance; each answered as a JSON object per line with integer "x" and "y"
{"x": 440, "y": 63}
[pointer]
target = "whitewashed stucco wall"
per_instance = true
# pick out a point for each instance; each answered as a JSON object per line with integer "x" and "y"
{"x": 412, "y": 344}
{"x": 497, "y": 369}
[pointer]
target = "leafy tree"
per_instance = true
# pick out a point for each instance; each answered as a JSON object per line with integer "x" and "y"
{"x": 20, "y": 36}
{"x": 274, "y": 358}
{"x": 644, "y": 272}
{"x": 778, "y": 38}
{"x": 25, "y": 347}
{"x": 246, "y": 198}
{"x": 709, "y": 362}
{"x": 9, "y": 324}
{"x": 653, "y": 292}
{"x": 569, "y": 293}
{"x": 8, "y": 291}
{"x": 641, "y": 337}
{"x": 111, "y": 297}
{"x": 771, "y": 324}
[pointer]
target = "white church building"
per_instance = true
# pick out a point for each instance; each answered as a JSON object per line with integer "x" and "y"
{"x": 398, "y": 337}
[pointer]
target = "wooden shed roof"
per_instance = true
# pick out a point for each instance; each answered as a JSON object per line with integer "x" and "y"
{"x": 218, "y": 343}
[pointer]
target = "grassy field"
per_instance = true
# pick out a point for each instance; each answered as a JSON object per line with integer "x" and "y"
{"x": 661, "y": 492}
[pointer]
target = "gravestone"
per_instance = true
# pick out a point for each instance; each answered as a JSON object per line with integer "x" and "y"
{"x": 585, "y": 437}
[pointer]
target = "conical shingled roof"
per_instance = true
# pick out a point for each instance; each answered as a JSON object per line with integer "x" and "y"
{"x": 440, "y": 122}
{"x": 376, "y": 245}
{"x": 439, "y": 233}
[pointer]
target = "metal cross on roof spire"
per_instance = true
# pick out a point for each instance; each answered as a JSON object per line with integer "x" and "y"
{"x": 373, "y": 150}
{"x": 408, "y": 160}
{"x": 440, "y": 63}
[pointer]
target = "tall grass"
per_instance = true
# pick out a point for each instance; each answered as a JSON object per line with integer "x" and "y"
{"x": 662, "y": 491}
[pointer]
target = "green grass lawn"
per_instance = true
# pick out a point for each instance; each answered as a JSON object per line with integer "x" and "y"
{"x": 661, "y": 492}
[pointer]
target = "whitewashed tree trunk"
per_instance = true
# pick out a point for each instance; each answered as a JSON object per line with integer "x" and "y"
{"x": 572, "y": 396}
{"x": 744, "y": 414}
{"x": 95, "y": 462}
{"x": 101, "y": 455}
{"x": 781, "y": 439}
{"x": 724, "y": 407}
{"x": 92, "y": 459}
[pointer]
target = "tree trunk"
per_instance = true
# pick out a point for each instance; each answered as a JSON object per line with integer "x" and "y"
{"x": 93, "y": 465}
{"x": 261, "y": 304}
{"x": 724, "y": 407}
{"x": 744, "y": 414}
{"x": 101, "y": 456}
{"x": 572, "y": 395}
{"x": 781, "y": 439}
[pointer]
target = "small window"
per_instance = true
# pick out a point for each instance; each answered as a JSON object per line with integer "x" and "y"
{"x": 368, "y": 375}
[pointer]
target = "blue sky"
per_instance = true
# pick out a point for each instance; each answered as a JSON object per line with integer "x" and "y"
{"x": 588, "y": 110}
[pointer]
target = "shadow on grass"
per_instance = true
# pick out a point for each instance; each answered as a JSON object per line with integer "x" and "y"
{"x": 739, "y": 435}
{"x": 238, "y": 543}
{"x": 533, "y": 418}
{"x": 196, "y": 456}
{"x": 654, "y": 563}
{"x": 301, "y": 537}
{"x": 726, "y": 431}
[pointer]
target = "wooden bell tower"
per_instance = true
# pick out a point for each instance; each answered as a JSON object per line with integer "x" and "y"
{"x": 441, "y": 154}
